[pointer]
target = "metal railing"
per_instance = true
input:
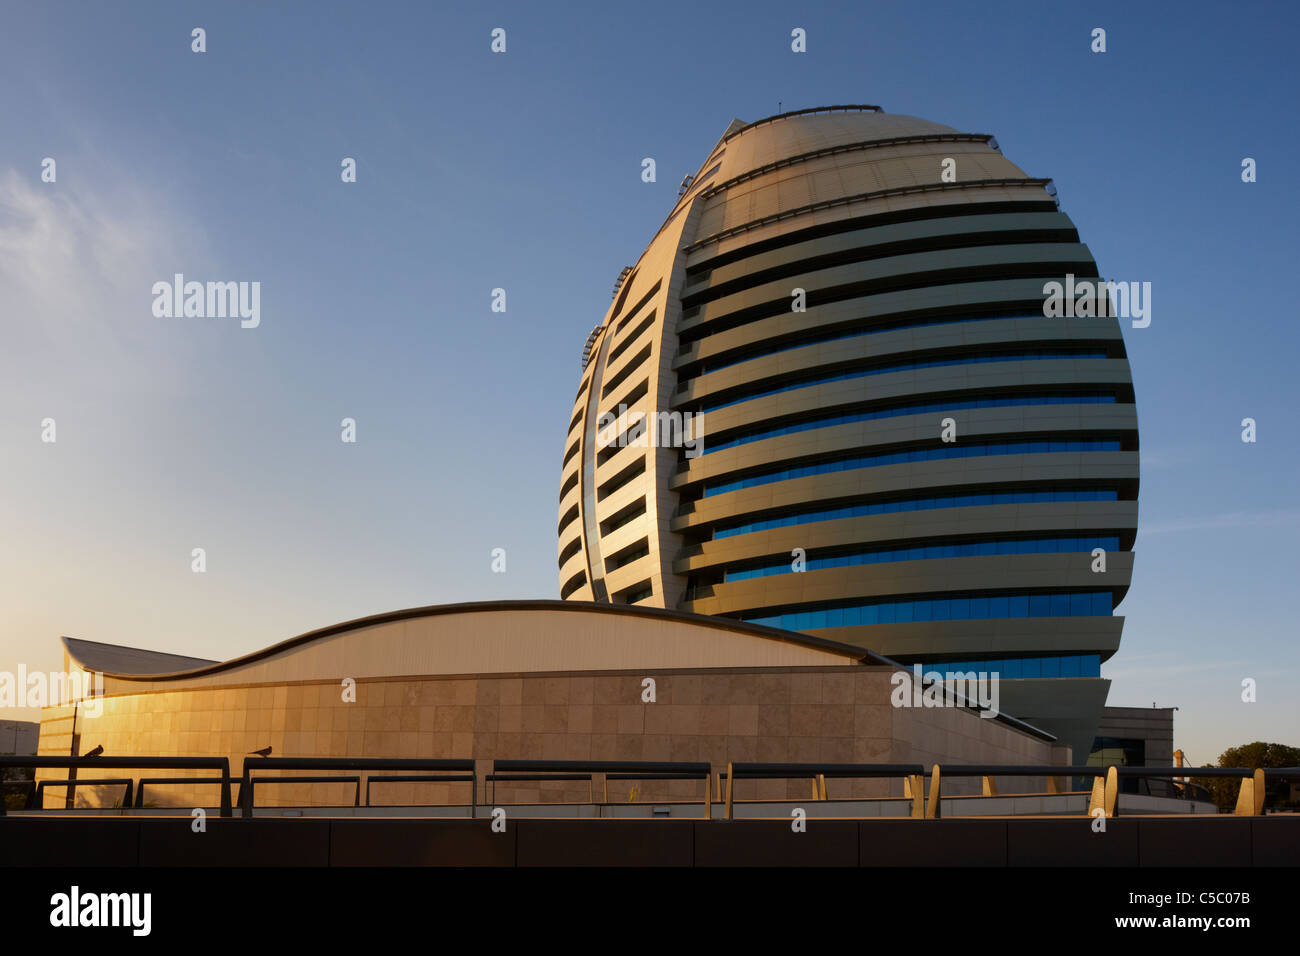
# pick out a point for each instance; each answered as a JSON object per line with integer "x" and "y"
{"x": 926, "y": 803}
{"x": 36, "y": 798}
{"x": 439, "y": 770}
{"x": 246, "y": 798}
{"x": 102, "y": 762}
{"x": 642, "y": 770}
{"x": 1250, "y": 798}
{"x": 817, "y": 773}
{"x": 989, "y": 772}
{"x": 166, "y": 781}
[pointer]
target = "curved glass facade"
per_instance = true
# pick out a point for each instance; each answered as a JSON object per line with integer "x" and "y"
{"x": 822, "y": 307}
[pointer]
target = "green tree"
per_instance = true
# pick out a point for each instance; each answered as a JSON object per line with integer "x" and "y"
{"x": 1277, "y": 793}
{"x": 15, "y": 798}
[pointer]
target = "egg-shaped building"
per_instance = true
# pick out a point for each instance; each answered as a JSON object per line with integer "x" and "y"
{"x": 827, "y": 398}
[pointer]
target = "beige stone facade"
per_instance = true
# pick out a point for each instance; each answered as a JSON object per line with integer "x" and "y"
{"x": 816, "y": 702}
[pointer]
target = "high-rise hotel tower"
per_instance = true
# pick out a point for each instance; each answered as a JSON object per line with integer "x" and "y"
{"x": 890, "y": 444}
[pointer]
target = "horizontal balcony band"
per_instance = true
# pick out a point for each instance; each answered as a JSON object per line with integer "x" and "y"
{"x": 1009, "y": 472}
{"x": 950, "y": 405}
{"x": 1010, "y": 379}
{"x": 1000, "y": 636}
{"x": 572, "y": 564}
{"x": 951, "y": 232}
{"x": 757, "y": 597}
{"x": 1001, "y": 296}
{"x": 1036, "y": 186}
{"x": 980, "y": 521}
{"x": 1023, "y": 423}
{"x": 895, "y": 273}
{"x": 891, "y": 142}
{"x": 900, "y": 354}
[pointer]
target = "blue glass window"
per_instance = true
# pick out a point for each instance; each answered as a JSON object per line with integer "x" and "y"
{"x": 811, "y": 340}
{"x": 1020, "y": 668}
{"x": 919, "y": 504}
{"x": 920, "y": 454}
{"x": 709, "y": 405}
{"x": 828, "y": 421}
{"x": 884, "y": 556}
{"x": 934, "y": 609}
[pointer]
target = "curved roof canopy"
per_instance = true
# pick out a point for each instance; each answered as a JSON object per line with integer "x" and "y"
{"x": 480, "y": 638}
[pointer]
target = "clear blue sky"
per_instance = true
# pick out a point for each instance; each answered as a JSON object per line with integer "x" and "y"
{"x": 522, "y": 171}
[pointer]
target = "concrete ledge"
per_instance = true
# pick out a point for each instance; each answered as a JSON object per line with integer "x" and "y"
{"x": 231, "y": 842}
{"x": 773, "y": 843}
{"x": 1218, "y": 841}
{"x": 1183, "y": 841}
{"x": 61, "y": 841}
{"x": 1071, "y": 841}
{"x": 933, "y": 843}
{"x": 605, "y": 843}
{"x": 390, "y": 842}
{"x": 1275, "y": 841}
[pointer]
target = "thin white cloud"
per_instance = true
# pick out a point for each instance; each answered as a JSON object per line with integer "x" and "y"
{"x": 76, "y": 267}
{"x": 1232, "y": 520}
{"x": 1174, "y": 670}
